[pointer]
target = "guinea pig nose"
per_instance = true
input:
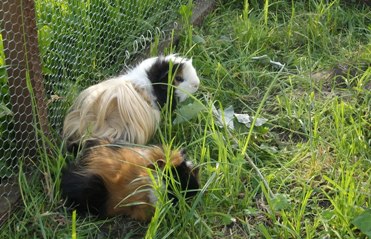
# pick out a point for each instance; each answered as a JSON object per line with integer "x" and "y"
{"x": 195, "y": 85}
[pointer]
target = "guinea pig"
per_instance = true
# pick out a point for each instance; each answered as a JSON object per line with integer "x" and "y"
{"x": 112, "y": 179}
{"x": 152, "y": 75}
{"x": 127, "y": 107}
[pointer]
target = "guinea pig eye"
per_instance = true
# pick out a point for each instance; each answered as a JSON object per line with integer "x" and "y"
{"x": 179, "y": 79}
{"x": 183, "y": 152}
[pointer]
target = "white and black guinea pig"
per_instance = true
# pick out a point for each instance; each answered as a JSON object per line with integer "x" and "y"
{"x": 113, "y": 179}
{"x": 127, "y": 107}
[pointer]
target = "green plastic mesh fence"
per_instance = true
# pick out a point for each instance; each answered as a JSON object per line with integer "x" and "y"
{"x": 79, "y": 42}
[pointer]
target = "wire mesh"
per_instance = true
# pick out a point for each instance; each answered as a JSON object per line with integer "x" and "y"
{"x": 80, "y": 42}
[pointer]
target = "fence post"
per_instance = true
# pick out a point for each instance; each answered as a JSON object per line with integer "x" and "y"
{"x": 23, "y": 62}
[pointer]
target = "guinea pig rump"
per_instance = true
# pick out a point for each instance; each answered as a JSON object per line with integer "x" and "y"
{"x": 112, "y": 180}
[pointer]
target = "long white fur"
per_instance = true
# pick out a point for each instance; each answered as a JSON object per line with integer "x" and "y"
{"x": 115, "y": 109}
{"x": 112, "y": 109}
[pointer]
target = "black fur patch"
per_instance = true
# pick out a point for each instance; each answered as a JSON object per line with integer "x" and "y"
{"x": 188, "y": 181}
{"x": 158, "y": 74}
{"x": 85, "y": 193}
{"x": 75, "y": 148}
{"x": 91, "y": 143}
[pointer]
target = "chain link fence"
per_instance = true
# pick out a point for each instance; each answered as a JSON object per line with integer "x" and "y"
{"x": 49, "y": 51}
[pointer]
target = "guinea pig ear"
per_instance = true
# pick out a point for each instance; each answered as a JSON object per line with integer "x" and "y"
{"x": 159, "y": 163}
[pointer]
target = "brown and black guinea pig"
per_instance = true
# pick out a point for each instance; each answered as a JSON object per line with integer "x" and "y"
{"x": 112, "y": 179}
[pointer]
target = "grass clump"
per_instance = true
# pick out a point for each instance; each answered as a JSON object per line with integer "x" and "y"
{"x": 304, "y": 173}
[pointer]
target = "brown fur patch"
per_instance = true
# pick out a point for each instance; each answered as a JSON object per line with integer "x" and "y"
{"x": 125, "y": 172}
{"x": 179, "y": 73}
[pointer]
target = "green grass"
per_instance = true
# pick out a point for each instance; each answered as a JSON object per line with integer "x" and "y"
{"x": 84, "y": 42}
{"x": 81, "y": 43}
{"x": 302, "y": 174}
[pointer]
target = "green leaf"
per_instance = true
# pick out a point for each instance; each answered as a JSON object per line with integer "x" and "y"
{"x": 264, "y": 231}
{"x": 198, "y": 39}
{"x": 45, "y": 36}
{"x": 5, "y": 170}
{"x": 185, "y": 11}
{"x": 224, "y": 219}
{"x": 363, "y": 222}
{"x": 187, "y": 112}
{"x": 280, "y": 202}
{"x": 250, "y": 211}
{"x": 228, "y": 219}
{"x": 4, "y": 111}
{"x": 328, "y": 215}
